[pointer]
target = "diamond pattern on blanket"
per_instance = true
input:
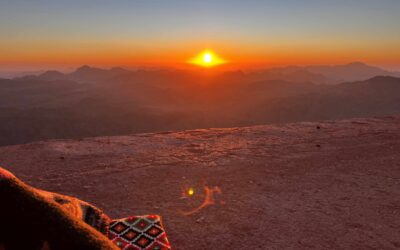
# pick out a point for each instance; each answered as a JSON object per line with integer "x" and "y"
{"x": 139, "y": 233}
{"x": 119, "y": 227}
{"x": 154, "y": 231}
{"x": 142, "y": 224}
{"x": 130, "y": 235}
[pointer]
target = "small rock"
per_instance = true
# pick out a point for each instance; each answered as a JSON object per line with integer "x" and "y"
{"x": 199, "y": 220}
{"x": 212, "y": 164}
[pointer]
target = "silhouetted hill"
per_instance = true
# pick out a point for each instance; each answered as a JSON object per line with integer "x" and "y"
{"x": 322, "y": 74}
{"x": 95, "y": 102}
{"x": 292, "y": 74}
{"x": 93, "y": 75}
{"x": 375, "y": 97}
{"x": 52, "y": 75}
{"x": 31, "y": 92}
{"x": 350, "y": 72}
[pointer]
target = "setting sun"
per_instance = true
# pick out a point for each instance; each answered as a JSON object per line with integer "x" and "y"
{"x": 207, "y": 59}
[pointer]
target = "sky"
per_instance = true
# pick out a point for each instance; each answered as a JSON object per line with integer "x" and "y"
{"x": 54, "y": 33}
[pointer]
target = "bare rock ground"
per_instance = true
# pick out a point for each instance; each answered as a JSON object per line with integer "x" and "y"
{"x": 328, "y": 185}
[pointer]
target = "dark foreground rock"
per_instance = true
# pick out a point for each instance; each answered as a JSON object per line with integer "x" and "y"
{"x": 328, "y": 185}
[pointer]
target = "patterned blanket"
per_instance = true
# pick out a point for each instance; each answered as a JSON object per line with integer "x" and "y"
{"x": 139, "y": 232}
{"x": 131, "y": 233}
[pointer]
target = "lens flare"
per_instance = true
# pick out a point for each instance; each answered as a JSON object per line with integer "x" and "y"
{"x": 190, "y": 192}
{"x": 210, "y": 198}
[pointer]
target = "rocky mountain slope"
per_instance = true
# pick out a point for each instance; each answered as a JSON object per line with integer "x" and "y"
{"x": 36, "y": 109}
{"x": 325, "y": 185}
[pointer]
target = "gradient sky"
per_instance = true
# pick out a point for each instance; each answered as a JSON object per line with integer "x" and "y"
{"x": 168, "y": 32}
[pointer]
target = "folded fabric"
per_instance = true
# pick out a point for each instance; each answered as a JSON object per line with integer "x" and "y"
{"x": 32, "y": 219}
{"x": 55, "y": 221}
{"x": 138, "y": 233}
{"x": 82, "y": 210}
{"x": 131, "y": 233}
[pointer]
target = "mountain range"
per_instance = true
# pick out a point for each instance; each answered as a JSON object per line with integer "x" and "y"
{"x": 96, "y": 102}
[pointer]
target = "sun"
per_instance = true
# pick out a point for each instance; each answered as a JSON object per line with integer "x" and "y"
{"x": 207, "y": 59}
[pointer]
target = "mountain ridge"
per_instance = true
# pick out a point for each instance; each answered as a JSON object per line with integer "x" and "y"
{"x": 33, "y": 109}
{"x": 321, "y": 74}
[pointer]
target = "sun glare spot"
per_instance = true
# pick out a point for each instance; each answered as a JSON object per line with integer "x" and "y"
{"x": 207, "y": 59}
{"x": 190, "y": 192}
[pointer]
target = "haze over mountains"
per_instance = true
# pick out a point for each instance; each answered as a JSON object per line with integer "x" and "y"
{"x": 95, "y": 102}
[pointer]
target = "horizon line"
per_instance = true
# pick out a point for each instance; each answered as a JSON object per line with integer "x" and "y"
{"x": 65, "y": 69}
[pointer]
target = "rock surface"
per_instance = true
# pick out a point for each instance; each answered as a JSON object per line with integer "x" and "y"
{"x": 327, "y": 185}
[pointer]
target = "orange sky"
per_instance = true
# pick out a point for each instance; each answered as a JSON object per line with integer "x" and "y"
{"x": 248, "y": 34}
{"x": 239, "y": 55}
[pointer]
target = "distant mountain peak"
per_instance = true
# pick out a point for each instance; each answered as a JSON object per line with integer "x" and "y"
{"x": 52, "y": 72}
{"x": 52, "y": 75}
{"x": 358, "y": 64}
{"x": 117, "y": 69}
{"x": 84, "y": 68}
{"x": 88, "y": 70}
{"x": 384, "y": 78}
